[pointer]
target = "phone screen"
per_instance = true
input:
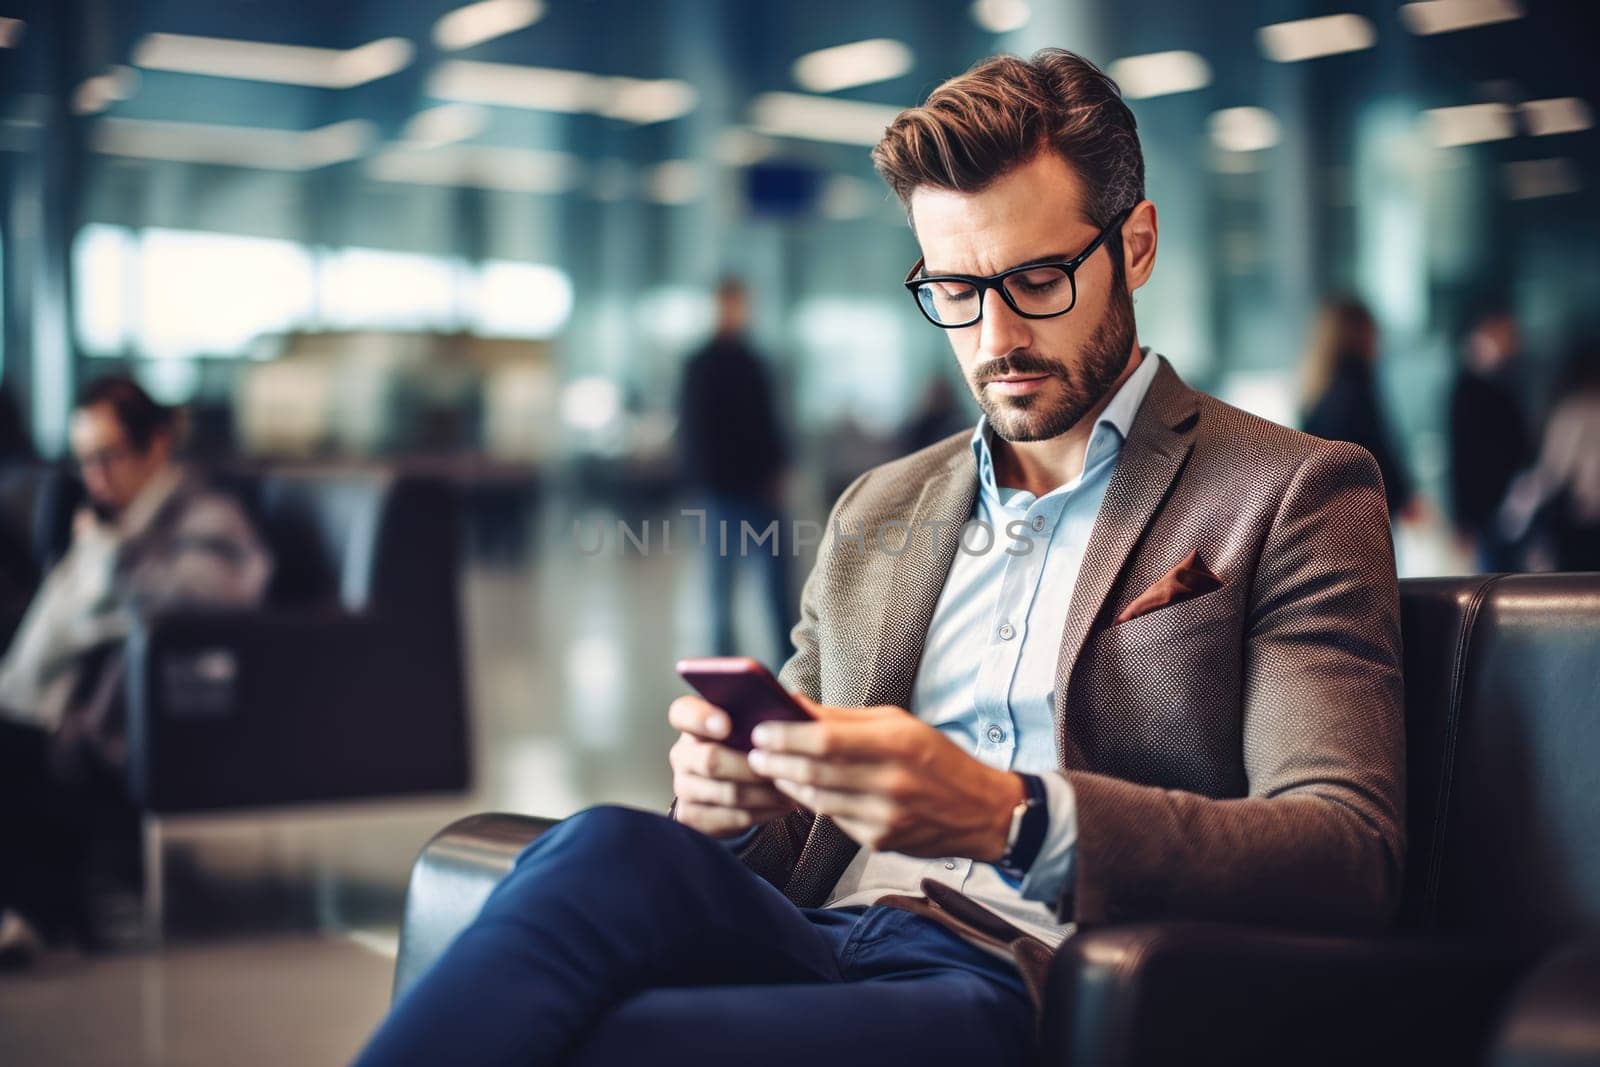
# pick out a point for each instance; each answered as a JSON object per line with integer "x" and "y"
{"x": 743, "y": 688}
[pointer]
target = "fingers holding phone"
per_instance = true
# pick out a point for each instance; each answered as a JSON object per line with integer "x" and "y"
{"x": 718, "y": 794}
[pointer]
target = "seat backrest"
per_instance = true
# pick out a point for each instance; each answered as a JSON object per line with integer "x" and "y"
{"x": 1503, "y": 763}
{"x": 323, "y": 528}
{"x": 36, "y": 505}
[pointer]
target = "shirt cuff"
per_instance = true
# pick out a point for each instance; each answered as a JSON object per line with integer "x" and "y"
{"x": 1052, "y": 868}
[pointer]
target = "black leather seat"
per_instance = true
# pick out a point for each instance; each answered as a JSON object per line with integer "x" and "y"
{"x": 1503, "y": 736}
{"x": 350, "y": 683}
{"x": 36, "y": 502}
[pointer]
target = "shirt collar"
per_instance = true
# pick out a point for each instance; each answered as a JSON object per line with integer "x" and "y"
{"x": 1110, "y": 429}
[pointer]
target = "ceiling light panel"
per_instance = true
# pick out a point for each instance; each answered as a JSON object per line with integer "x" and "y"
{"x": 514, "y": 170}
{"x": 1565, "y": 114}
{"x": 846, "y": 66}
{"x": 323, "y": 68}
{"x": 237, "y": 146}
{"x": 638, "y": 100}
{"x": 1470, "y": 124}
{"x": 474, "y": 24}
{"x": 1302, "y": 39}
{"x": 1001, "y": 16}
{"x": 1160, "y": 74}
{"x": 1446, "y": 16}
{"x": 446, "y": 124}
{"x": 1244, "y": 129}
{"x": 820, "y": 118}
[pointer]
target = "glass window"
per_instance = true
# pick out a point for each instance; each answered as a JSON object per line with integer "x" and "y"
{"x": 102, "y": 273}
{"x": 524, "y": 300}
{"x": 209, "y": 294}
{"x": 366, "y": 288}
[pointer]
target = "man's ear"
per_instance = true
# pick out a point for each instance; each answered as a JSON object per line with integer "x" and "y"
{"x": 1139, "y": 236}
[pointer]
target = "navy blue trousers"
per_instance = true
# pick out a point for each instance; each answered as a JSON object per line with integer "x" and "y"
{"x": 622, "y": 937}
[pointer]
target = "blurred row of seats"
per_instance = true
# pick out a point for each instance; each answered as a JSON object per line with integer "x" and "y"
{"x": 348, "y": 683}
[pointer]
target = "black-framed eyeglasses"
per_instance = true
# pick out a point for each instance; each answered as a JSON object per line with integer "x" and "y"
{"x": 1034, "y": 290}
{"x": 103, "y": 458}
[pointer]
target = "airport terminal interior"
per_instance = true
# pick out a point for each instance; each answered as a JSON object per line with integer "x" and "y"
{"x": 418, "y": 284}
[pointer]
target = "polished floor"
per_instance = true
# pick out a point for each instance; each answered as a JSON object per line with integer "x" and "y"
{"x": 288, "y": 999}
{"x": 282, "y": 926}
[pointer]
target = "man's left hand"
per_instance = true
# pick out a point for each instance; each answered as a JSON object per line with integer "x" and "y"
{"x": 890, "y": 781}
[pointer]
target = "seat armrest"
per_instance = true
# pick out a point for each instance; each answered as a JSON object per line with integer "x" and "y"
{"x": 1554, "y": 1018}
{"x": 1163, "y": 993}
{"x": 452, "y": 877}
{"x": 242, "y": 708}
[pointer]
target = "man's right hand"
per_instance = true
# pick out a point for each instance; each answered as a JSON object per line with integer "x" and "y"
{"x": 718, "y": 793}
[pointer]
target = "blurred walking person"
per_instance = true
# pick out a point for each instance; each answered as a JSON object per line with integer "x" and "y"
{"x": 1554, "y": 509}
{"x": 735, "y": 454}
{"x": 1489, "y": 437}
{"x": 1340, "y": 397}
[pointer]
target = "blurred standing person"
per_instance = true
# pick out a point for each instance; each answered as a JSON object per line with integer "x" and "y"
{"x": 937, "y": 417}
{"x": 1555, "y": 508}
{"x": 1489, "y": 438}
{"x": 151, "y": 537}
{"x": 1340, "y": 399}
{"x": 735, "y": 455}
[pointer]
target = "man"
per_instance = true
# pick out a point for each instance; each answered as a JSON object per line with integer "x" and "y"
{"x": 151, "y": 537}
{"x": 1489, "y": 438}
{"x": 1183, "y": 700}
{"x": 735, "y": 453}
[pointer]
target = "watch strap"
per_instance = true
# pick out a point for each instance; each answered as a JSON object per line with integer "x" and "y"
{"x": 1031, "y": 834}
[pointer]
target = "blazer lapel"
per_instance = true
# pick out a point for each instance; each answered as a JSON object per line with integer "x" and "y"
{"x": 1158, "y": 443}
{"x": 942, "y": 508}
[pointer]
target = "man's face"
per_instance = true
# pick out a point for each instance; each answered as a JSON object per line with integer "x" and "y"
{"x": 1033, "y": 378}
{"x": 113, "y": 470}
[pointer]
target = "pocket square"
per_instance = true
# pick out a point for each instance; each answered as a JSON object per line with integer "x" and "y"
{"x": 1187, "y": 580}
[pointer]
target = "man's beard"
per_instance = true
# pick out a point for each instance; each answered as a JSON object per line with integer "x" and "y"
{"x": 1039, "y": 417}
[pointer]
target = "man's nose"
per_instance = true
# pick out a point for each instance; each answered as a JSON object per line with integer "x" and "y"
{"x": 1001, "y": 330}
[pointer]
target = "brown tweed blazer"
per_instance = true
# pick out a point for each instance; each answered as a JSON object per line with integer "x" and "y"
{"x": 1236, "y": 756}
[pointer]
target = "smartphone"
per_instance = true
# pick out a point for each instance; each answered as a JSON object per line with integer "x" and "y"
{"x": 744, "y": 689}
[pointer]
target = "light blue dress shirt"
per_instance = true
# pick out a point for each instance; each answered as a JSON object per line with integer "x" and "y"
{"x": 988, "y": 669}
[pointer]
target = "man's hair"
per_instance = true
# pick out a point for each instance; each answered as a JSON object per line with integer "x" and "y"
{"x": 1003, "y": 113}
{"x": 140, "y": 416}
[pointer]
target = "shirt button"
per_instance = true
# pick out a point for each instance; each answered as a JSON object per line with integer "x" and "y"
{"x": 996, "y": 734}
{"x": 1007, "y": 631}
{"x": 949, "y": 865}
{"x": 1038, "y": 522}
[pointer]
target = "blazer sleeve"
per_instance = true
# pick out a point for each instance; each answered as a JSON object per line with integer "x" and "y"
{"x": 775, "y": 848}
{"x": 1318, "y": 841}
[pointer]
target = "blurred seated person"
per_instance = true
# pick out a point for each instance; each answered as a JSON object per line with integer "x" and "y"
{"x": 1489, "y": 438}
{"x": 1341, "y": 401}
{"x": 1553, "y": 510}
{"x": 151, "y": 537}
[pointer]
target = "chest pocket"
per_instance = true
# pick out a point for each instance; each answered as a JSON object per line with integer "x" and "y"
{"x": 1156, "y": 699}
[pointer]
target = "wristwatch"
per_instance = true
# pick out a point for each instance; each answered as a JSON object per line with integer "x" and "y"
{"x": 1029, "y": 821}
